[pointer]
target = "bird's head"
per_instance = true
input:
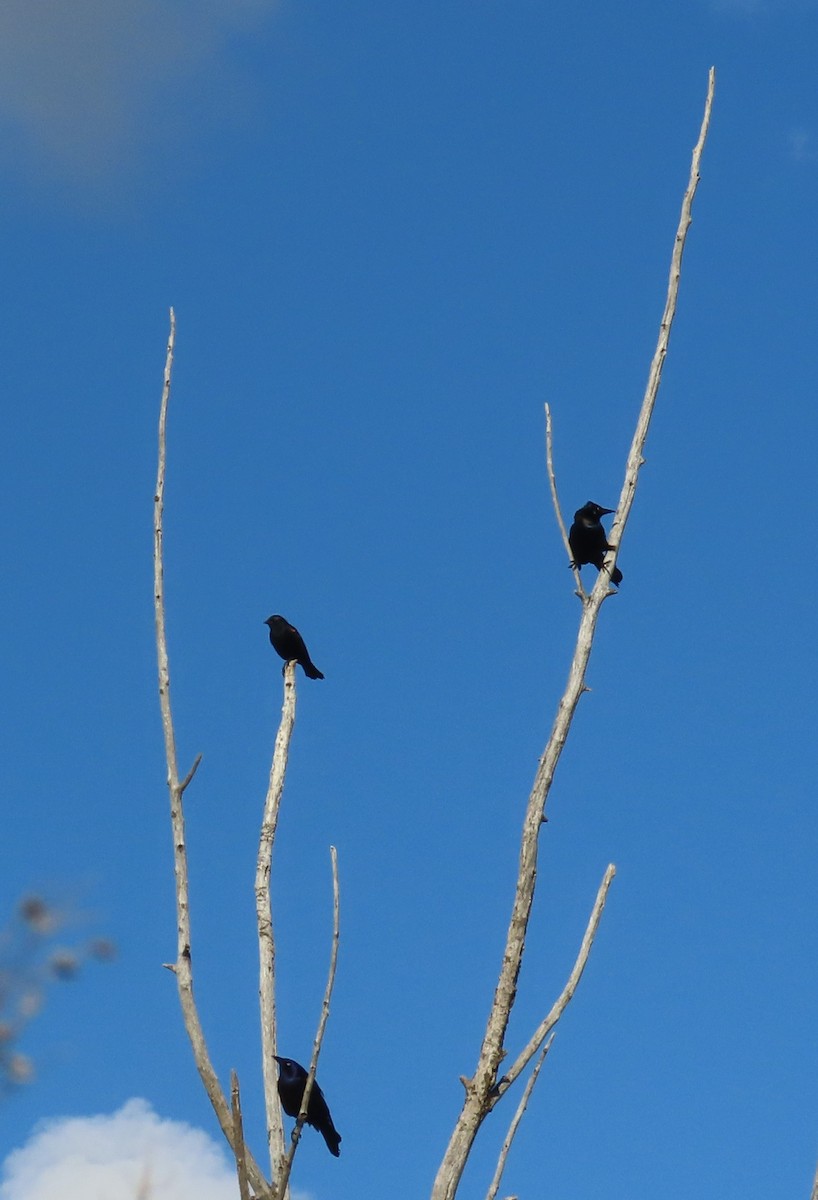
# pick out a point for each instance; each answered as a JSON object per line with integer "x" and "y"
{"x": 275, "y": 620}
{"x": 593, "y": 511}
{"x": 289, "y": 1068}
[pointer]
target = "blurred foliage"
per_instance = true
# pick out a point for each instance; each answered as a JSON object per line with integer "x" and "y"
{"x": 35, "y": 954}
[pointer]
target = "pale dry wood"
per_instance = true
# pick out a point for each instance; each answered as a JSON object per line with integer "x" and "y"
{"x": 494, "y": 1187}
{"x": 814, "y": 1193}
{"x": 322, "y": 1023}
{"x": 239, "y": 1149}
{"x": 264, "y": 921}
{"x": 635, "y": 456}
{"x": 547, "y": 1024}
{"x": 477, "y": 1102}
{"x": 552, "y": 483}
{"x": 183, "y": 968}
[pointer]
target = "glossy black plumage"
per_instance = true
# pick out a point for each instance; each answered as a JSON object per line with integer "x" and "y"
{"x": 588, "y": 539}
{"x": 289, "y": 644}
{"x": 291, "y": 1080}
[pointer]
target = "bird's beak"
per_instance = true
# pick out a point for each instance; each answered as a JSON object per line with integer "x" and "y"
{"x": 607, "y": 510}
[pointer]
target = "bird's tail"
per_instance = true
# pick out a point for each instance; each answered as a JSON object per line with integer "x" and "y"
{"x": 616, "y": 576}
{"x": 311, "y": 671}
{"x": 331, "y": 1136}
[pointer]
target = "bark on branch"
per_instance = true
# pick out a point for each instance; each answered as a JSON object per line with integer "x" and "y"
{"x": 238, "y": 1138}
{"x": 264, "y": 918}
{"x": 494, "y": 1187}
{"x": 552, "y": 483}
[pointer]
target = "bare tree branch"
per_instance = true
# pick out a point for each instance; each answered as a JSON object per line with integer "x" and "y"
{"x": 322, "y": 1025}
{"x": 635, "y": 459}
{"x": 552, "y": 482}
{"x": 264, "y": 918}
{"x": 188, "y": 778}
{"x": 182, "y": 969}
{"x": 477, "y": 1102}
{"x": 814, "y": 1193}
{"x": 515, "y": 1121}
{"x": 547, "y": 1024}
{"x": 238, "y": 1138}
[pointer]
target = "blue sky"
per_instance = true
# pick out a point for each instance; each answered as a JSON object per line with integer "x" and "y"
{"x": 390, "y": 233}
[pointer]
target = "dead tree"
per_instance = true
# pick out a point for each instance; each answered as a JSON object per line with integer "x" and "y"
{"x": 487, "y": 1085}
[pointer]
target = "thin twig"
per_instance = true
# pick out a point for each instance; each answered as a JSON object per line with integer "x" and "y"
{"x": 238, "y": 1137}
{"x": 183, "y": 969}
{"x": 635, "y": 456}
{"x": 814, "y": 1194}
{"x": 547, "y": 1024}
{"x": 515, "y": 1122}
{"x": 187, "y": 779}
{"x": 322, "y": 1025}
{"x": 552, "y": 483}
{"x": 479, "y": 1088}
{"x": 266, "y": 936}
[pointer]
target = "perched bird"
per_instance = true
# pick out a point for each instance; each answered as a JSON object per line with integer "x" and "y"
{"x": 288, "y": 642}
{"x": 291, "y": 1080}
{"x": 588, "y": 539}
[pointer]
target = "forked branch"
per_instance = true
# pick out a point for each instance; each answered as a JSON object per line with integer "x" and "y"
{"x": 479, "y": 1088}
{"x": 549, "y": 1022}
{"x": 183, "y": 967}
{"x": 494, "y": 1187}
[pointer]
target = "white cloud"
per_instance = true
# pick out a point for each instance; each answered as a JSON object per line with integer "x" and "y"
{"x": 87, "y": 88}
{"x": 133, "y": 1154}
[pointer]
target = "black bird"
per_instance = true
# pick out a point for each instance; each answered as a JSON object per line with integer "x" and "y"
{"x": 589, "y": 541}
{"x": 291, "y": 1080}
{"x": 288, "y": 642}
